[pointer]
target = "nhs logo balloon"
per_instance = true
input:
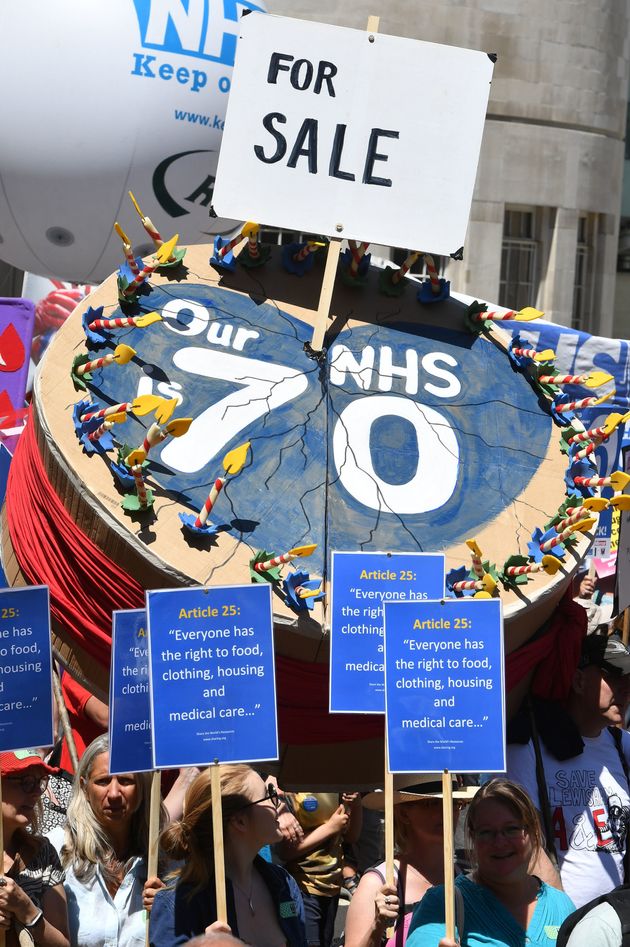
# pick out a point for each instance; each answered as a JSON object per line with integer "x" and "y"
{"x": 135, "y": 95}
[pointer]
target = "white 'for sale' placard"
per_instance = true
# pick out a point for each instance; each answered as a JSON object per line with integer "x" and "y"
{"x": 352, "y": 134}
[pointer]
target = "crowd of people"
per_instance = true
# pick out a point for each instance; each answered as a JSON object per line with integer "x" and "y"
{"x": 545, "y": 862}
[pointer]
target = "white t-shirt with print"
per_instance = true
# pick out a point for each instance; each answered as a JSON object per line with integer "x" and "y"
{"x": 589, "y": 800}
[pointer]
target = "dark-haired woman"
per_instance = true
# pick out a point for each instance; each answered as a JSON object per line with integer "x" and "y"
{"x": 32, "y": 898}
{"x": 504, "y": 904}
{"x": 264, "y": 906}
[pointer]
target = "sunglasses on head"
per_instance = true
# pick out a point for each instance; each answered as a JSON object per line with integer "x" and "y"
{"x": 271, "y": 793}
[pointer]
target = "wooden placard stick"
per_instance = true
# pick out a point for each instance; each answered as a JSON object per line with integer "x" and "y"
{"x": 217, "y": 834}
{"x": 325, "y": 296}
{"x": 449, "y": 887}
{"x": 154, "y": 831}
{"x": 389, "y": 830}
{"x": 332, "y": 260}
{"x": 65, "y": 721}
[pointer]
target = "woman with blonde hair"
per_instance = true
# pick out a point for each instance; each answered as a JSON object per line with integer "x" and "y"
{"x": 264, "y": 906}
{"x": 419, "y": 842}
{"x": 504, "y": 904}
{"x": 103, "y": 850}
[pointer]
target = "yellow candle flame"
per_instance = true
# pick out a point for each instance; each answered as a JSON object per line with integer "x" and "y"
{"x": 124, "y": 354}
{"x": 528, "y": 314}
{"x": 234, "y": 460}
{"x": 302, "y": 550}
{"x": 121, "y": 233}
{"x": 166, "y": 250}
{"x": 136, "y": 205}
{"x": 597, "y": 379}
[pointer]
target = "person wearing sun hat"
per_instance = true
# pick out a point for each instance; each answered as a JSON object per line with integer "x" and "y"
{"x": 32, "y": 896}
{"x": 419, "y": 840}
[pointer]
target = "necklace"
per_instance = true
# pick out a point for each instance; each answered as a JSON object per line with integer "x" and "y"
{"x": 248, "y": 897}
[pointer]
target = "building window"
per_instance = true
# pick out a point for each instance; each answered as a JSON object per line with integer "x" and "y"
{"x": 583, "y": 280}
{"x": 518, "y": 285}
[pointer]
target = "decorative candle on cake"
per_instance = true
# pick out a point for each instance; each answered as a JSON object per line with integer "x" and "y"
{"x": 566, "y": 407}
{"x": 607, "y": 428}
{"x": 434, "y": 276}
{"x": 141, "y": 489}
{"x": 409, "y": 261}
{"x": 358, "y": 252}
{"x": 476, "y": 558}
{"x": 298, "y": 551}
{"x": 582, "y": 526}
{"x": 155, "y": 435}
{"x": 548, "y": 564}
{"x": 233, "y": 463}
{"x": 589, "y": 380}
{"x": 127, "y": 250}
{"x": 138, "y": 322}
{"x": 121, "y": 354}
{"x": 618, "y": 480}
{"x": 311, "y": 246}
{"x": 547, "y": 355}
{"x": 162, "y": 256}
{"x": 528, "y": 314}
{"x": 148, "y": 224}
{"x": 107, "y": 425}
{"x": 141, "y": 405}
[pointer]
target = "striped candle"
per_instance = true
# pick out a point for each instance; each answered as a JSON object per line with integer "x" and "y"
{"x": 358, "y": 252}
{"x": 112, "y": 323}
{"x": 141, "y": 489}
{"x": 467, "y": 585}
{"x": 525, "y": 570}
{"x": 582, "y": 403}
{"x": 95, "y": 363}
{"x": 563, "y": 379}
{"x": 311, "y": 246}
{"x": 136, "y": 283}
{"x": 206, "y": 509}
{"x": 433, "y": 274}
{"x": 97, "y": 434}
{"x": 398, "y": 274}
{"x": 105, "y": 412}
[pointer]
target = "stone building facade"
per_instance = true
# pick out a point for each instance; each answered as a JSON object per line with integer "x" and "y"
{"x": 545, "y": 216}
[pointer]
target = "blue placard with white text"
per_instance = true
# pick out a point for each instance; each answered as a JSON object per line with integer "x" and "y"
{"x": 212, "y": 675}
{"x": 129, "y": 705}
{"x": 444, "y": 686}
{"x": 26, "y": 701}
{"x": 361, "y": 583}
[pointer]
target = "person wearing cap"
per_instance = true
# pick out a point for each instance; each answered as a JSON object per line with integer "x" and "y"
{"x": 580, "y": 784}
{"x": 32, "y": 897}
{"x": 419, "y": 840}
{"x": 501, "y": 903}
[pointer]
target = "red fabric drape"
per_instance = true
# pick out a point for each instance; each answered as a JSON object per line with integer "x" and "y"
{"x": 556, "y": 653}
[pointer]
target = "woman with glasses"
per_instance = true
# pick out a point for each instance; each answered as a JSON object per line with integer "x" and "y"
{"x": 264, "y": 906}
{"x": 32, "y": 898}
{"x": 502, "y": 902}
{"x": 103, "y": 851}
{"x": 419, "y": 864}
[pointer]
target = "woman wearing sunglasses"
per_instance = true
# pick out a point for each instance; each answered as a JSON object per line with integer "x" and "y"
{"x": 502, "y": 902}
{"x": 264, "y": 906}
{"x": 32, "y": 898}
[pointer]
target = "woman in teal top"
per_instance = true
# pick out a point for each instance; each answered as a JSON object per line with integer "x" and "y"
{"x": 500, "y": 903}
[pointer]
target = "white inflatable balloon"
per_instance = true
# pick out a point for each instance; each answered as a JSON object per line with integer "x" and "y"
{"x": 100, "y": 98}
